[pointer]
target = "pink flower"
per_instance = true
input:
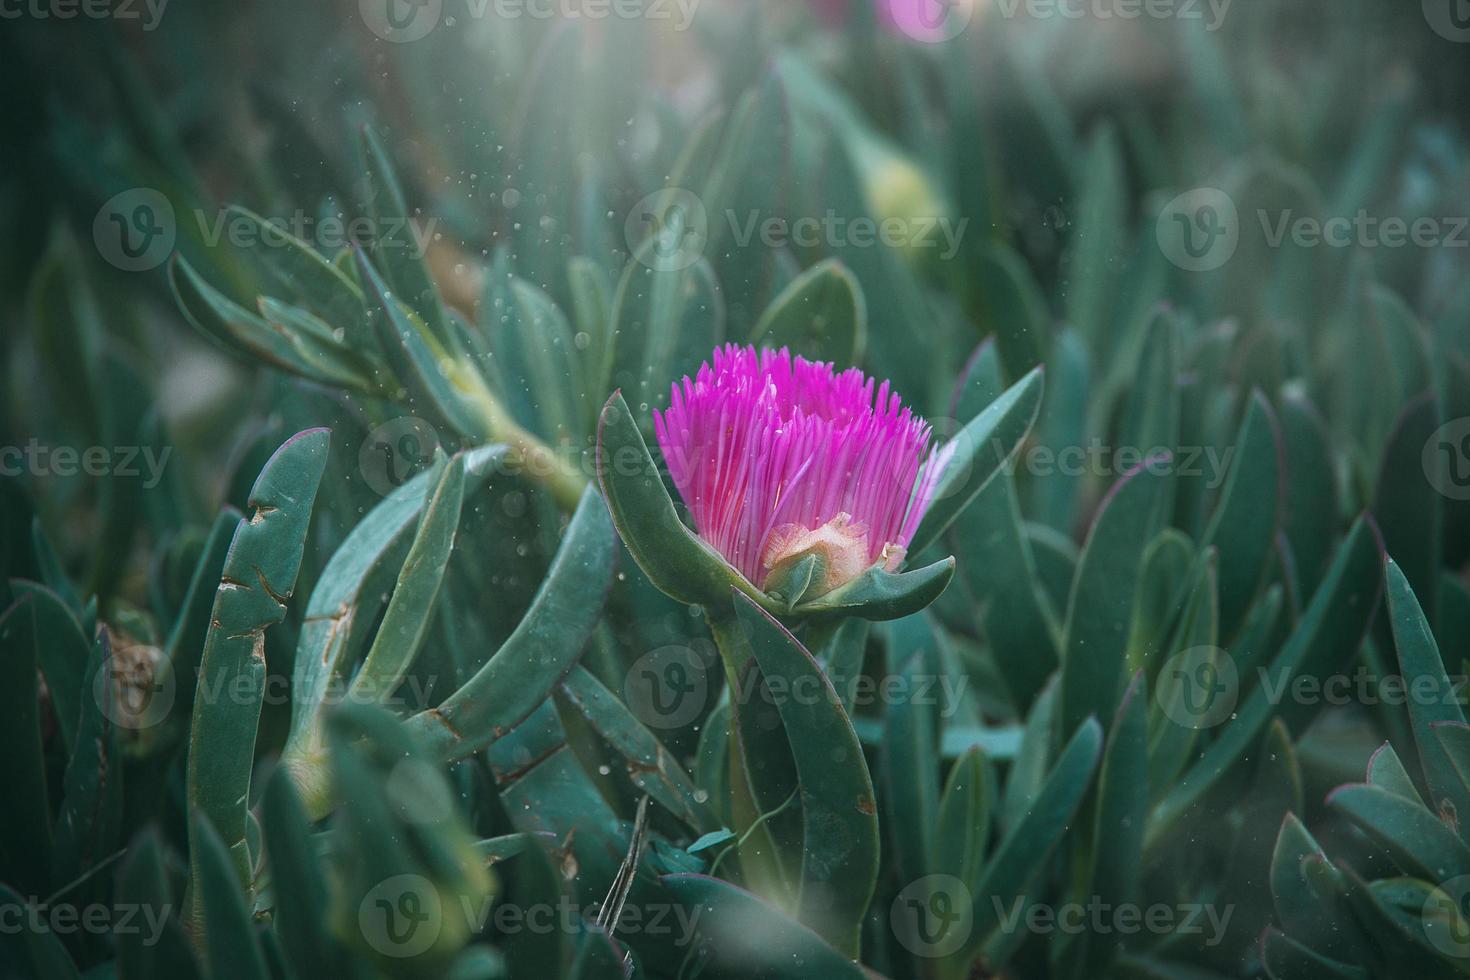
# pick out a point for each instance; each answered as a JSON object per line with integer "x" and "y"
{"x": 778, "y": 457}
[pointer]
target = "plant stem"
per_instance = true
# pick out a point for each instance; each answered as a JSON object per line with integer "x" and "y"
{"x": 539, "y": 462}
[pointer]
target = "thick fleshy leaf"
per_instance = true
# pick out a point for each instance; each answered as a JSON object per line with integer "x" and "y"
{"x": 259, "y": 577}
{"x": 651, "y": 767}
{"x": 1413, "y": 838}
{"x": 536, "y": 360}
{"x": 394, "y": 248}
{"x": 747, "y": 936}
{"x": 882, "y": 595}
{"x": 290, "y": 346}
{"x": 437, "y": 379}
{"x": 306, "y": 275}
{"x": 671, "y": 555}
{"x": 1386, "y": 771}
{"x": 1286, "y": 959}
{"x": 665, "y": 322}
{"x": 1408, "y": 504}
{"x": 1094, "y": 252}
{"x": 1096, "y": 635}
{"x": 231, "y": 949}
{"x": 1012, "y": 309}
{"x": 1120, "y": 815}
{"x": 89, "y": 825}
{"x": 300, "y": 888}
{"x": 1434, "y": 699}
{"x": 962, "y": 836}
{"x": 1022, "y": 853}
{"x": 1248, "y": 517}
{"x": 979, "y": 451}
{"x": 180, "y": 671}
{"x": 839, "y": 813}
{"x": 1311, "y": 505}
{"x": 160, "y": 949}
{"x": 1327, "y": 634}
{"x": 1306, "y": 912}
{"x": 545, "y": 645}
{"x": 821, "y": 316}
{"x": 406, "y": 620}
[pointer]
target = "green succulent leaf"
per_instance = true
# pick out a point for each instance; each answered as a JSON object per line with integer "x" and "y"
{"x": 1434, "y": 701}
{"x": 979, "y": 450}
{"x": 881, "y": 595}
{"x": 1328, "y": 631}
{"x": 300, "y": 887}
{"x": 545, "y": 645}
{"x": 1023, "y": 851}
{"x": 839, "y": 812}
{"x": 232, "y": 951}
{"x": 406, "y": 620}
{"x": 821, "y": 316}
{"x": 1096, "y": 633}
{"x": 740, "y": 927}
{"x": 1286, "y": 959}
{"x": 672, "y": 556}
{"x": 1415, "y": 839}
{"x": 259, "y": 576}
{"x": 651, "y": 767}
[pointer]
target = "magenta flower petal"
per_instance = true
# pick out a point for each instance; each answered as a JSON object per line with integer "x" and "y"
{"x": 777, "y": 456}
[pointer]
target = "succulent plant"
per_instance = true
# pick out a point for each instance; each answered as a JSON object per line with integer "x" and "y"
{"x": 720, "y": 489}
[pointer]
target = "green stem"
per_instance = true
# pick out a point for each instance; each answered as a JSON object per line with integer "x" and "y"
{"x": 538, "y": 461}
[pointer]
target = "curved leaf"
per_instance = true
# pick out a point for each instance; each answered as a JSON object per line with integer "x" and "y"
{"x": 542, "y": 649}
{"x": 839, "y": 814}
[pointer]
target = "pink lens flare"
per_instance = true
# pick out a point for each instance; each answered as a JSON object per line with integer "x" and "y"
{"x": 776, "y": 456}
